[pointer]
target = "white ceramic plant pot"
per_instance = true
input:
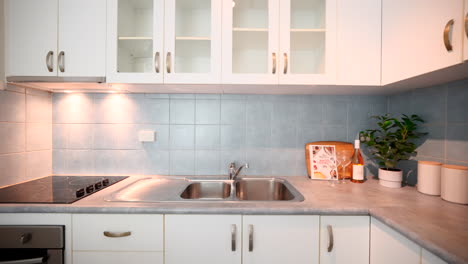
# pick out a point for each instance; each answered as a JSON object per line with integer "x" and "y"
{"x": 390, "y": 178}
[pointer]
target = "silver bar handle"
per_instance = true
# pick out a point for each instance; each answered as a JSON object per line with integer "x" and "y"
{"x": 466, "y": 25}
{"x": 273, "y": 57}
{"x": 330, "y": 238}
{"x": 285, "y": 63}
{"x": 25, "y": 261}
{"x": 233, "y": 237}
{"x": 168, "y": 62}
{"x": 50, "y": 61}
{"x": 61, "y": 61}
{"x": 448, "y": 28}
{"x": 117, "y": 234}
{"x": 251, "y": 243}
{"x": 157, "y": 62}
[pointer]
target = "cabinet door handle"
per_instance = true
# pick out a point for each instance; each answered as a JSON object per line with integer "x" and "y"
{"x": 448, "y": 27}
{"x": 285, "y": 63}
{"x": 61, "y": 61}
{"x": 466, "y": 25}
{"x": 50, "y": 61}
{"x": 117, "y": 234}
{"x": 168, "y": 62}
{"x": 157, "y": 62}
{"x": 233, "y": 237}
{"x": 330, "y": 238}
{"x": 251, "y": 243}
{"x": 273, "y": 57}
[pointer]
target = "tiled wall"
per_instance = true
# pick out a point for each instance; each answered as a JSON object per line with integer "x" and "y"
{"x": 445, "y": 110}
{"x": 200, "y": 134}
{"x": 25, "y": 135}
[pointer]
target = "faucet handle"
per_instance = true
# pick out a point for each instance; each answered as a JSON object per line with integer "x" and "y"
{"x": 232, "y": 165}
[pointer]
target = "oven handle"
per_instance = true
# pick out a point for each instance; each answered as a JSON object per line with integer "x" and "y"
{"x": 25, "y": 261}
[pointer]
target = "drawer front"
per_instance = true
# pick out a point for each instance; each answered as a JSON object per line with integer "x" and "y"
{"x": 118, "y": 257}
{"x": 113, "y": 232}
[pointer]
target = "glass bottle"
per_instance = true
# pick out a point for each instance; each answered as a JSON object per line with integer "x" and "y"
{"x": 357, "y": 162}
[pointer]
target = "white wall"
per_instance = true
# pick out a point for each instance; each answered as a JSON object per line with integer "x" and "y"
{"x": 2, "y": 46}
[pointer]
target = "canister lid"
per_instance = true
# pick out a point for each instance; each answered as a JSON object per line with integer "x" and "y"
{"x": 429, "y": 162}
{"x": 455, "y": 167}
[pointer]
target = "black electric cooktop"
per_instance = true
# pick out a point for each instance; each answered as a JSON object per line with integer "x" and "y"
{"x": 56, "y": 189}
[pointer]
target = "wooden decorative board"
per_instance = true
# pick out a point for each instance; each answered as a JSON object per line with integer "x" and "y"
{"x": 339, "y": 145}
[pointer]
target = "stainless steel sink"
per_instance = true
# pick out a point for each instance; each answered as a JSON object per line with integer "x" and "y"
{"x": 260, "y": 189}
{"x": 208, "y": 190}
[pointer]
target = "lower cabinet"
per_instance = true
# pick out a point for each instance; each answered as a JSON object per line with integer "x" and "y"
{"x": 344, "y": 239}
{"x": 115, "y": 239}
{"x": 241, "y": 239}
{"x": 389, "y": 247}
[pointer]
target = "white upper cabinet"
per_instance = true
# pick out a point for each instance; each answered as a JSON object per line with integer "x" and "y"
{"x": 420, "y": 36}
{"x": 344, "y": 239}
{"x": 285, "y": 42}
{"x": 465, "y": 39}
{"x": 157, "y": 41}
{"x": 56, "y": 38}
{"x": 359, "y": 42}
{"x": 307, "y": 42}
{"x": 31, "y": 37}
{"x": 250, "y": 41}
{"x": 135, "y": 38}
{"x": 192, "y": 41}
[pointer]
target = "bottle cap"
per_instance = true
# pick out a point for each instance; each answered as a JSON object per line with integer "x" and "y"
{"x": 357, "y": 143}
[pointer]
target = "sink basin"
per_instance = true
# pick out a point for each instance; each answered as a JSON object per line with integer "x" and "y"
{"x": 208, "y": 190}
{"x": 261, "y": 189}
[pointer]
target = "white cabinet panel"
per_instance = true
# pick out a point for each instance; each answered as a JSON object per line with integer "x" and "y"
{"x": 201, "y": 239}
{"x": 146, "y": 232}
{"x": 82, "y": 37}
{"x": 413, "y": 37}
{"x": 280, "y": 239}
{"x": 389, "y": 247}
{"x": 31, "y": 33}
{"x": 429, "y": 258}
{"x": 350, "y": 235}
{"x": 118, "y": 257}
{"x": 359, "y": 42}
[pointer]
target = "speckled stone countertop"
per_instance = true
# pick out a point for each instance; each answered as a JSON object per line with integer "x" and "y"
{"x": 439, "y": 226}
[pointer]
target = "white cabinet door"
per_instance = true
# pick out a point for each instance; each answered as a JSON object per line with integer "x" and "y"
{"x": 359, "y": 42}
{"x": 192, "y": 41}
{"x": 280, "y": 239}
{"x": 250, "y": 42}
{"x": 429, "y": 258}
{"x": 135, "y": 37}
{"x": 465, "y": 33}
{"x": 82, "y": 38}
{"x": 389, "y": 247}
{"x": 31, "y": 37}
{"x": 201, "y": 239}
{"x": 413, "y": 37}
{"x": 307, "y": 42}
{"x": 344, "y": 239}
{"x": 118, "y": 257}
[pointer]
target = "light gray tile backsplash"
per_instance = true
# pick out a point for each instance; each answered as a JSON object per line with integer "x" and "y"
{"x": 199, "y": 134}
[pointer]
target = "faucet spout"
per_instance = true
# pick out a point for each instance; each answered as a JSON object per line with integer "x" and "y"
{"x": 234, "y": 172}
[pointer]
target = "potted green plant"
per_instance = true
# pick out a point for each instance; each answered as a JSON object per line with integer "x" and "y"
{"x": 392, "y": 142}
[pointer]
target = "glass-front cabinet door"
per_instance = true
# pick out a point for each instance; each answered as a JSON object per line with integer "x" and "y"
{"x": 250, "y": 41}
{"x": 192, "y": 41}
{"x": 135, "y": 37}
{"x": 307, "y": 42}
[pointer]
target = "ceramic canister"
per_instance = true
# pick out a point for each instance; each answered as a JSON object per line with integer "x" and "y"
{"x": 429, "y": 177}
{"x": 454, "y": 184}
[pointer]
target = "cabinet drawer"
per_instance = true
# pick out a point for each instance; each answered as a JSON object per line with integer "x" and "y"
{"x": 123, "y": 232}
{"x": 117, "y": 257}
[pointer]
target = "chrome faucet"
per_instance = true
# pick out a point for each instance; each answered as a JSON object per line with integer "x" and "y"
{"x": 233, "y": 171}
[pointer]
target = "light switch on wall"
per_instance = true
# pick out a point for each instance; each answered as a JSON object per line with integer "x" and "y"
{"x": 147, "y": 136}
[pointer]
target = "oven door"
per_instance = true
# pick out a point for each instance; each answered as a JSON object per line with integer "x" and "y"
{"x": 31, "y": 256}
